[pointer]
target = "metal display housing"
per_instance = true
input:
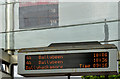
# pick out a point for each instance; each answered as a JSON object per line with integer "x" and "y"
{"x": 112, "y": 69}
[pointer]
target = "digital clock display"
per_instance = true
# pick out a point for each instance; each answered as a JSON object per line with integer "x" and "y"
{"x": 67, "y": 61}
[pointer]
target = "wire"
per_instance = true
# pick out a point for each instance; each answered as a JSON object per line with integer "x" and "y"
{"x": 53, "y": 27}
{"x": 5, "y": 3}
{"x": 11, "y": 3}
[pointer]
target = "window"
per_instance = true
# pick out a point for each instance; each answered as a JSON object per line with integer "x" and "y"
{"x": 40, "y": 15}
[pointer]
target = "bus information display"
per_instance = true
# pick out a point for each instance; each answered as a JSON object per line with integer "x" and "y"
{"x": 67, "y": 61}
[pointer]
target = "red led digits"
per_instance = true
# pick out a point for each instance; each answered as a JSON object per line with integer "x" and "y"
{"x": 106, "y": 65}
{"x": 94, "y": 55}
{"x": 100, "y": 60}
{"x": 28, "y": 62}
{"x": 62, "y": 61}
{"x": 28, "y": 57}
{"x": 97, "y": 60}
{"x": 104, "y": 59}
{"x": 97, "y": 54}
{"x": 106, "y": 54}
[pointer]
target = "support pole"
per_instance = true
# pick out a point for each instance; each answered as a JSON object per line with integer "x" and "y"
{"x": 106, "y": 30}
{"x": 106, "y": 77}
{"x": 68, "y": 76}
{"x": 9, "y": 37}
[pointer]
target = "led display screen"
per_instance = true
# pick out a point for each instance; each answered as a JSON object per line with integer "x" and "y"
{"x": 67, "y": 61}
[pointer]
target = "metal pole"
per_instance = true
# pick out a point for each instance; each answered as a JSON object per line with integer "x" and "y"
{"x": 106, "y": 30}
{"x": 106, "y": 77}
{"x": 68, "y": 76}
{"x": 9, "y": 26}
{"x": 9, "y": 37}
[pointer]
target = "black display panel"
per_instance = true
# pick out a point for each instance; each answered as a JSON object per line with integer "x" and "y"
{"x": 67, "y": 61}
